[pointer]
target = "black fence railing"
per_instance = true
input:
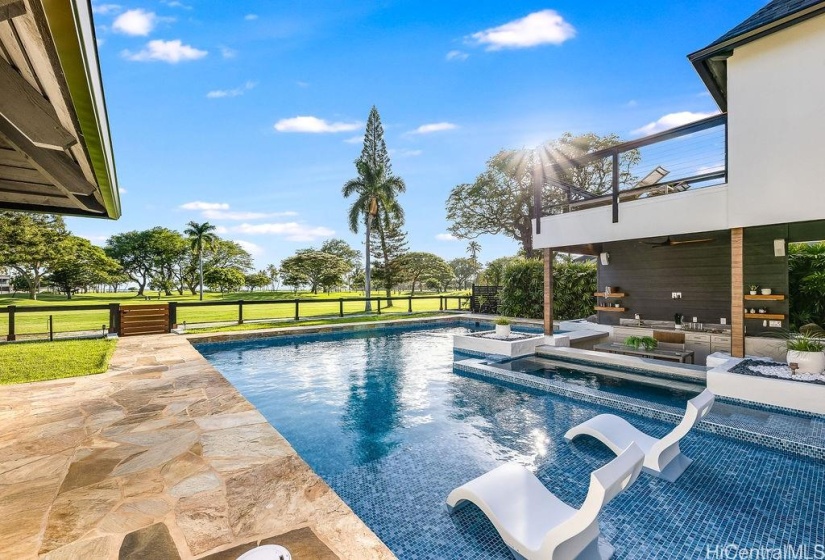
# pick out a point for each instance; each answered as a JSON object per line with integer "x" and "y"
{"x": 54, "y": 321}
{"x": 691, "y": 156}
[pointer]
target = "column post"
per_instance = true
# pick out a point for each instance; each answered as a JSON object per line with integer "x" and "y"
{"x": 737, "y": 291}
{"x": 548, "y": 291}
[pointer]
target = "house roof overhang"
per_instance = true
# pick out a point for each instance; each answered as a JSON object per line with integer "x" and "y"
{"x": 711, "y": 61}
{"x": 55, "y": 145}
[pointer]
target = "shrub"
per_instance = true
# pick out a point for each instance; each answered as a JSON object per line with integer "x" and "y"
{"x": 522, "y": 293}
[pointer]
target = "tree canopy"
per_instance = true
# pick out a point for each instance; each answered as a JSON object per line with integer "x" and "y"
{"x": 31, "y": 245}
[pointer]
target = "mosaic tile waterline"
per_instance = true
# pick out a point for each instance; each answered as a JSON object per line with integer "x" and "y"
{"x": 389, "y": 424}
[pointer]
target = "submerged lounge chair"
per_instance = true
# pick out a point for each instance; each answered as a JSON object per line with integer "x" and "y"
{"x": 534, "y": 523}
{"x": 663, "y": 458}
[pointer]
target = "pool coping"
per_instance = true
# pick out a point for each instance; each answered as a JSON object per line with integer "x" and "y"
{"x": 162, "y": 439}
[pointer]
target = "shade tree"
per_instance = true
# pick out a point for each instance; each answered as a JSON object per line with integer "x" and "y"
{"x": 30, "y": 245}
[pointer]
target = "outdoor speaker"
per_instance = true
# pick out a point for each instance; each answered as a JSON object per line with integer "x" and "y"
{"x": 604, "y": 258}
{"x": 779, "y": 247}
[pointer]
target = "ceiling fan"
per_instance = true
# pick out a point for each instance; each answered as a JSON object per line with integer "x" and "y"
{"x": 670, "y": 242}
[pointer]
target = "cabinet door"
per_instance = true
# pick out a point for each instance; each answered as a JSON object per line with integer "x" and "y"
{"x": 720, "y": 344}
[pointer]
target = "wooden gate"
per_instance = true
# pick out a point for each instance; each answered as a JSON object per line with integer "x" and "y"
{"x": 143, "y": 319}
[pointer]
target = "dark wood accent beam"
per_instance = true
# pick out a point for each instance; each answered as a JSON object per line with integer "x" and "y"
{"x": 737, "y": 290}
{"x": 29, "y": 112}
{"x": 548, "y": 291}
{"x": 11, "y": 9}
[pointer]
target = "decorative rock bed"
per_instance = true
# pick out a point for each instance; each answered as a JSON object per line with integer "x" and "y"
{"x": 769, "y": 368}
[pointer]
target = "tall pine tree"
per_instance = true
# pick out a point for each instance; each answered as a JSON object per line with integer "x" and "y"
{"x": 376, "y": 190}
{"x": 389, "y": 245}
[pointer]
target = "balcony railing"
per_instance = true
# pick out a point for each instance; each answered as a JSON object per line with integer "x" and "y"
{"x": 688, "y": 157}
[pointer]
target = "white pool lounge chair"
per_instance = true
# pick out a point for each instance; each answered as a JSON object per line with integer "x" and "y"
{"x": 534, "y": 523}
{"x": 663, "y": 458}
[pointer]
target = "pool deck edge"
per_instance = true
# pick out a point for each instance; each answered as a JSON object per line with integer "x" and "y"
{"x": 160, "y": 440}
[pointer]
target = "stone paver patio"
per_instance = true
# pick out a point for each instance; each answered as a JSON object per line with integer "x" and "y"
{"x": 160, "y": 457}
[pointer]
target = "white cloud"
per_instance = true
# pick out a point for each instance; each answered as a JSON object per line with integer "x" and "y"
{"x": 459, "y": 56}
{"x": 433, "y": 127}
{"x": 177, "y": 4}
{"x": 121, "y": 190}
{"x": 165, "y": 51}
{"x": 199, "y": 205}
{"x": 251, "y": 248}
{"x": 355, "y": 139}
{"x": 220, "y": 93}
{"x": 227, "y": 53}
{"x": 446, "y": 237}
{"x": 314, "y": 125}
{"x": 99, "y": 240}
{"x": 106, "y": 9}
{"x": 135, "y": 22}
{"x": 671, "y": 120}
{"x": 291, "y": 231}
{"x": 241, "y": 215}
{"x": 221, "y": 230}
{"x": 302, "y": 84}
{"x": 546, "y": 27}
{"x": 250, "y": 17}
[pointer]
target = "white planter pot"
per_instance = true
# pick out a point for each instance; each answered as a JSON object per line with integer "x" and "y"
{"x": 753, "y": 292}
{"x": 502, "y": 330}
{"x": 766, "y": 291}
{"x": 809, "y": 362}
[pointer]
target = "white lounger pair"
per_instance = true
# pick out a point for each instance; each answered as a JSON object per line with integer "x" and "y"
{"x": 663, "y": 458}
{"x": 536, "y": 525}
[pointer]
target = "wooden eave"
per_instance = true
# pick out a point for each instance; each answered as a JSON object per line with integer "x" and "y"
{"x": 55, "y": 151}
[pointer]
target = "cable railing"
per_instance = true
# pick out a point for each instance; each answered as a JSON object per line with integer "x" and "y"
{"x": 688, "y": 157}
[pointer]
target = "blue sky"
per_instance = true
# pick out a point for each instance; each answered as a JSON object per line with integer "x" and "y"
{"x": 249, "y": 114}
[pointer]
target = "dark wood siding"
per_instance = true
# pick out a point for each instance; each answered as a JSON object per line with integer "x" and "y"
{"x": 701, "y": 272}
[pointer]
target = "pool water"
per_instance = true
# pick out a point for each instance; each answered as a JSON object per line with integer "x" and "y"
{"x": 389, "y": 425}
{"x": 654, "y": 389}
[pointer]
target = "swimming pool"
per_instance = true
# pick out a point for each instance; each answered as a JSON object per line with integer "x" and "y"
{"x": 385, "y": 420}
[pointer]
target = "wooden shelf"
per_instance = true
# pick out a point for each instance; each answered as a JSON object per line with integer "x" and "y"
{"x": 610, "y": 309}
{"x": 614, "y": 295}
{"x": 765, "y": 316}
{"x": 772, "y": 297}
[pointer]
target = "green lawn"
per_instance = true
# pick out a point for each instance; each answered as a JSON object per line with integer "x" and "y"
{"x": 324, "y": 305}
{"x": 310, "y": 322}
{"x": 40, "y": 361}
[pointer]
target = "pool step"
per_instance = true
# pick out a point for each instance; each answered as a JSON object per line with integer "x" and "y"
{"x": 787, "y": 432}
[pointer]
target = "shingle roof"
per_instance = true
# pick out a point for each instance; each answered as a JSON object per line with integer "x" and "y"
{"x": 773, "y": 11}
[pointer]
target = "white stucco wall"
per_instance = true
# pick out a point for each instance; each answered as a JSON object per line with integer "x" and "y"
{"x": 679, "y": 213}
{"x": 776, "y": 120}
{"x": 776, "y": 152}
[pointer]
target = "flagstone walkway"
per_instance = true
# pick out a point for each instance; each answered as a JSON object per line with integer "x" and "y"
{"x": 160, "y": 457}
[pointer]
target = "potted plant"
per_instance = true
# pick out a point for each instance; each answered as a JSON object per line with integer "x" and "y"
{"x": 805, "y": 349}
{"x": 637, "y": 342}
{"x": 754, "y": 288}
{"x": 618, "y": 304}
{"x": 677, "y": 320}
{"x": 503, "y": 327}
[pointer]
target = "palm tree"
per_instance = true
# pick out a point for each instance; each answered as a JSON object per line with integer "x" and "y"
{"x": 474, "y": 248}
{"x": 376, "y": 197}
{"x": 200, "y": 237}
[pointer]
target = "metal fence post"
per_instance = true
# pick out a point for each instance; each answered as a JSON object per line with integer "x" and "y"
{"x": 173, "y": 315}
{"x": 341, "y": 307}
{"x": 441, "y": 303}
{"x": 240, "y": 312}
{"x": 379, "y": 306}
{"x": 409, "y": 309}
{"x": 12, "y": 335}
{"x": 51, "y": 328}
{"x": 297, "y": 303}
{"x": 114, "y": 318}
